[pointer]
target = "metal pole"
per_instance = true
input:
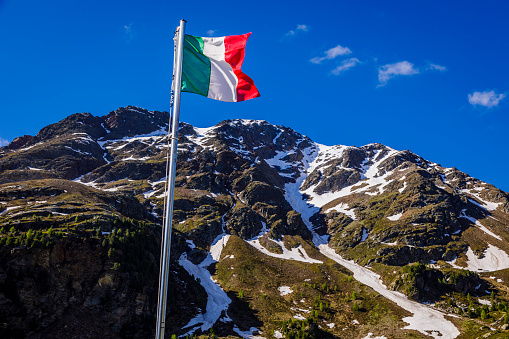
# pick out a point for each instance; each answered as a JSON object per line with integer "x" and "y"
{"x": 166, "y": 244}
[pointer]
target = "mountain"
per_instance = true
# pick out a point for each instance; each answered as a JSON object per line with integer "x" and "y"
{"x": 274, "y": 236}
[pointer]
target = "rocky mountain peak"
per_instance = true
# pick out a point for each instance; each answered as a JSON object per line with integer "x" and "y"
{"x": 262, "y": 208}
{"x": 131, "y": 121}
{"x": 75, "y": 123}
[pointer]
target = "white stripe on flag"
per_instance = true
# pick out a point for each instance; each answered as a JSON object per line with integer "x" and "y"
{"x": 214, "y": 48}
{"x": 223, "y": 82}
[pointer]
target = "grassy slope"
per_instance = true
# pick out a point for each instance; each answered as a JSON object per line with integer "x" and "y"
{"x": 252, "y": 280}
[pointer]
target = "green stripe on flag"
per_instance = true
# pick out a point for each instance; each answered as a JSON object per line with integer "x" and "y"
{"x": 195, "y": 67}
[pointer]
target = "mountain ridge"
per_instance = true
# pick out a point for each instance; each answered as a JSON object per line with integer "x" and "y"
{"x": 249, "y": 183}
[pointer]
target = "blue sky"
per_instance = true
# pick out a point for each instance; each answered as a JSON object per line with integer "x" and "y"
{"x": 431, "y": 77}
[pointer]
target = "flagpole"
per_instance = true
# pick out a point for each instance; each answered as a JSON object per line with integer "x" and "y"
{"x": 166, "y": 241}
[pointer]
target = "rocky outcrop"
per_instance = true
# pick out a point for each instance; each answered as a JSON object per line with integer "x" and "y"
{"x": 131, "y": 121}
{"x": 19, "y": 142}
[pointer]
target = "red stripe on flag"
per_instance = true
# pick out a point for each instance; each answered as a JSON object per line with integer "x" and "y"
{"x": 234, "y": 55}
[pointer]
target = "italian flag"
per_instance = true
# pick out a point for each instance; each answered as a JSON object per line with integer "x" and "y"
{"x": 211, "y": 67}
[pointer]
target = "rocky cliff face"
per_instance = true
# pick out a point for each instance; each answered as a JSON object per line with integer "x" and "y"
{"x": 81, "y": 204}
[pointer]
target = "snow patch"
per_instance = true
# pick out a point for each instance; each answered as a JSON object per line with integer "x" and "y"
{"x": 370, "y": 336}
{"x": 148, "y": 194}
{"x": 296, "y": 253}
{"x": 365, "y": 234}
{"x": 300, "y": 309}
{"x": 494, "y": 259}
{"x": 395, "y": 217}
{"x": 484, "y": 302}
{"x": 191, "y": 244}
{"x": 131, "y": 158}
{"x": 7, "y": 209}
{"x": 488, "y": 205}
{"x": 217, "y": 300}
{"x": 343, "y": 208}
{"x": 402, "y": 188}
{"x": 284, "y": 290}
{"x": 77, "y": 151}
{"x": 478, "y": 224}
{"x": 247, "y": 334}
{"x": 217, "y": 246}
{"x": 277, "y": 162}
{"x": 202, "y": 135}
{"x": 370, "y": 174}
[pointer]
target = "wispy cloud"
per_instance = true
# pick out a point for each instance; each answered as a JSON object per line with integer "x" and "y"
{"x": 129, "y": 31}
{"x": 211, "y": 32}
{"x": 436, "y": 67}
{"x": 332, "y": 53}
{"x": 345, "y": 65}
{"x": 3, "y": 142}
{"x": 300, "y": 28}
{"x": 390, "y": 71}
{"x": 487, "y": 99}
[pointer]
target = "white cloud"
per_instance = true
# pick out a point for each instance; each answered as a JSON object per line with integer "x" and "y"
{"x": 304, "y": 28}
{"x": 129, "y": 31}
{"x": 437, "y": 67}
{"x": 487, "y": 99}
{"x": 3, "y": 142}
{"x": 211, "y": 32}
{"x": 391, "y": 70}
{"x": 332, "y": 53}
{"x": 300, "y": 28}
{"x": 345, "y": 64}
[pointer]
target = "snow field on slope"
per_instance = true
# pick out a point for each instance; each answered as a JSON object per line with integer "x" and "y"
{"x": 7, "y": 209}
{"x": 478, "y": 224}
{"x": 369, "y": 175}
{"x": 217, "y": 299}
{"x": 202, "y": 135}
{"x": 148, "y": 139}
{"x": 296, "y": 253}
{"x": 217, "y": 246}
{"x": 247, "y": 334}
{"x": 425, "y": 319}
{"x": 278, "y": 162}
{"x": 488, "y": 205}
{"x": 343, "y": 208}
{"x": 494, "y": 259}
